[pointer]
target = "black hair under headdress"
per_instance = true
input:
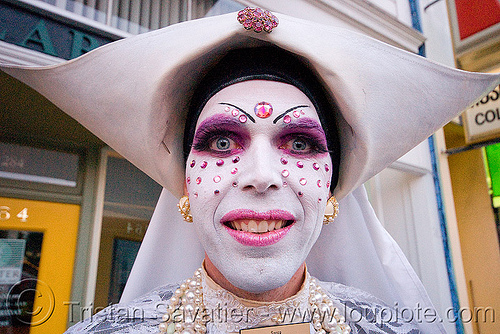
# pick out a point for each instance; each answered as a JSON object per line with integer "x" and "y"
{"x": 273, "y": 64}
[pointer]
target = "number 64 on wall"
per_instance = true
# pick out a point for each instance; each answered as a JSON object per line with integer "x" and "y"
{"x": 5, "y": 214}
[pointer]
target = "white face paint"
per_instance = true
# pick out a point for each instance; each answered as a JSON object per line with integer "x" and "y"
{"x": 258, "y": 182}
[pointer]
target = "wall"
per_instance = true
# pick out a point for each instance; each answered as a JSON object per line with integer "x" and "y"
{"x": 478, "y": 237}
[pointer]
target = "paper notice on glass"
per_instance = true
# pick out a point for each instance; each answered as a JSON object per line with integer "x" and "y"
{"x": 11, "y": 260}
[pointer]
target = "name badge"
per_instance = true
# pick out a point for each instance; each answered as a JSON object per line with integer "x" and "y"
{"x": 302, "y": 328}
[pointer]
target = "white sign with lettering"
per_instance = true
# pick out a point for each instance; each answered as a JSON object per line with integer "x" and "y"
{"x": 482, "y": 120}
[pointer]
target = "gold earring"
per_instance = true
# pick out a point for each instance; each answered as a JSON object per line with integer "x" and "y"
{"x": 331, "y": 210}
{"x": 185, "y": 209}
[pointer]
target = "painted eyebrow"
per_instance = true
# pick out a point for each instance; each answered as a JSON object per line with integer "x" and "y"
{"x": 243, "y": 111}
{"x": 287, "y": 111}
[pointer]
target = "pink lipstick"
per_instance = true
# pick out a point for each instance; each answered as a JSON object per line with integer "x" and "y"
{"x": 258, "y": 229}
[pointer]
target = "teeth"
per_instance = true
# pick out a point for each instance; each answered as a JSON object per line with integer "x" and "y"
{"x": 270, "y": 225}
{"x": 255, "y": 226}
{"x": 252, "y": 226}
{"x": 262, "y": 226}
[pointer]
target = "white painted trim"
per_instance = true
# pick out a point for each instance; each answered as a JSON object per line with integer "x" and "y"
{"x": 37, "y": 179}
{"x": 17, "y": 55}
{"x": 95, "y": 241}
{"x": 405, "y": 167}
{"x": 359, "y": 15}
{"x": 480, "y": 40}
{"x": 72, "y": 17}
{"x": 378, "y": 23}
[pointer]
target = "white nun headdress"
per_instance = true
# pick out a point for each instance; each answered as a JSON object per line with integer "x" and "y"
{"x": 134, "y": 95}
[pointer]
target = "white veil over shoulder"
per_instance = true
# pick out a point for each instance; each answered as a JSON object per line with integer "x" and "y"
{"x": 134, "y": 95}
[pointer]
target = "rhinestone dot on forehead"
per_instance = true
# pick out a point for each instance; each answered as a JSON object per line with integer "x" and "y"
{"x": 242, "y": 118}
{"x": 303, "y": 181}
{"x": 263, "y": 109}
{"x": 287, "y": 119}
{"x": 235, "y": 112}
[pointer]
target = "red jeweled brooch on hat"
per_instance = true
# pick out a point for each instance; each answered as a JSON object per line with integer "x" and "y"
{"x": 257, "y": 19}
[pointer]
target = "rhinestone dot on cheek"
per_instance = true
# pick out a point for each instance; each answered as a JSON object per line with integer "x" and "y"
{"x": 263, "y": 109}
{"x": 217, "y": 178}
{"x": 234, "y": 171}
{"x": 283, "y": 161}
{"x": 216, "y": 191}
{"x": 198, "y": 180}
{"x": 327, "y": 168}
{"x": 195, "y": 195}
{"x": 188, "y": 180}
{"x": 315, "y": 166}
{"x": 303, "y": 181}
{"x": 287, "y": 119}
{"x": 235, "y": 184}
{"x": 328, "y": 184}
{"x": 300, "y": 194}
{"x": 300, "y": 164}
{"x": 285, "y": 184}
{"x": 220, "y": 162}
{"x": 192, "y": 164}
{"x": 285, "y": 173}
{"x": 236, "y": 159}
{"x": 204, "y": 164}
{"x": 319, "y": 183}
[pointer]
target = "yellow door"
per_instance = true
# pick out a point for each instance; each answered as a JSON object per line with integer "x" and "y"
{"x": 37, "y": 253}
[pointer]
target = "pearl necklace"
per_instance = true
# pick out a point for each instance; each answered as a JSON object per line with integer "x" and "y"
{"x": 187, "y": 303}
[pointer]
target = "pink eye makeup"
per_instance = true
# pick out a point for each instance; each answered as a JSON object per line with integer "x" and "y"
{"x": 220, "y": 135}
{"x": 303, "y": 137}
